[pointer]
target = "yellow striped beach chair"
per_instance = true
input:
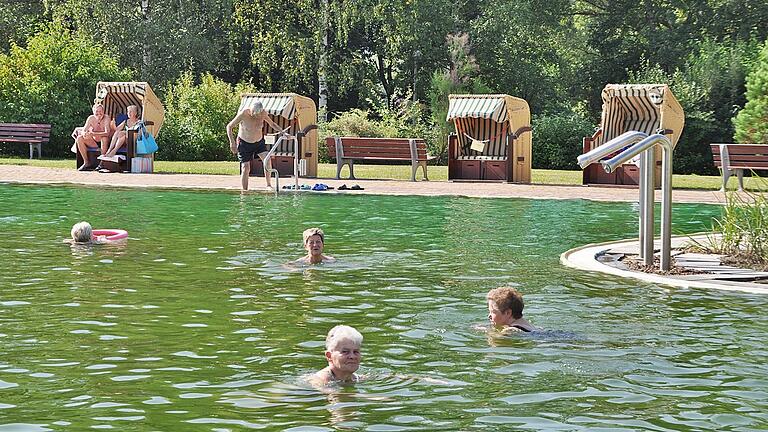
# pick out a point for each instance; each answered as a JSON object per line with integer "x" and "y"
{"x": 648, "y": 108}
{"x": 288, "y": 110}
{"x": 492, "y": 139}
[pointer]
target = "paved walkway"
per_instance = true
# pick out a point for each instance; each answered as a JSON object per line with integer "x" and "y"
{"x": 40, "y": 175}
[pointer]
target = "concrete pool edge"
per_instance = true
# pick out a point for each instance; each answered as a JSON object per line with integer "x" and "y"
{"x": 21, "y": 174}
{"x": 584, "y": 258}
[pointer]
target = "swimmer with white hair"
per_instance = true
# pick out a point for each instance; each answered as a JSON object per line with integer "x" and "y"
{"x": 250, "y": 139}
{"x": 314, "y": 243}
{"x": 342, "y": 351}
{"x": 82, "y": 233}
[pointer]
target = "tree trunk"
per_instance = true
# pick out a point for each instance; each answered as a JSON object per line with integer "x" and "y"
{"x": 322, "y": 84}
{"x": 145, "y": 46}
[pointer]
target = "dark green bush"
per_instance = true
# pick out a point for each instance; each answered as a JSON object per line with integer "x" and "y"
{"x": 53, "y": 80}
{"x": 692, "y": 153}
{"x": 196, "y": 116}
{"x": 406, "y": 120}
{"x": 557, "y": 140}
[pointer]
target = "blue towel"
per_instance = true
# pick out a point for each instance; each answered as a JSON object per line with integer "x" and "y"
{"x": 120, "y": 118}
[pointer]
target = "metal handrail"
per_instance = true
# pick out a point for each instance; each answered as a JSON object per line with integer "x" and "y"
{"x": 614, "y": 145}
{"x": 647, "y": 145}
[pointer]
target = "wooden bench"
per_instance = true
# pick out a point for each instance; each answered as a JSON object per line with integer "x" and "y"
{"x": 347, "y": 150}
{"x": 738, "y": 157}
{"x": 33, "y": 134}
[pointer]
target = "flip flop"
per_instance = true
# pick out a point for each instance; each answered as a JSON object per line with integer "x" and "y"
{"x": 306, "y": 187}
{"x": 320, "y": 187}
{"x": 343, "y": 187}
{"x": 356, "y": 187}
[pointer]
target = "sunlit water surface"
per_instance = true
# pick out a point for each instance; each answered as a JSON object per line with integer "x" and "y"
{"x": 197, "y": 324}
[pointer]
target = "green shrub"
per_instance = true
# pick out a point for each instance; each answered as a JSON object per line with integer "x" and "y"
{"x": 752, "y": 122}
{"x": 557, "y": 140}
{"x": 692, "y": 153}
{"x": 196, "y": 116}
{"x": 53, "y": 80}
{"x": 720, "y": 69}
{"x": 406, "y": 120}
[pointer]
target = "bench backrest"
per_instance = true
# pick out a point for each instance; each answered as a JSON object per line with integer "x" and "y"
{"x": 25, "y": 132}
{"x": 383, "y": 148}
{"x": 754, "y": 156}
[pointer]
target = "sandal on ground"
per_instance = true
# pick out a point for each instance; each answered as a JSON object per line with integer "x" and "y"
{"x": 356, "y": 187}
{"x": 343, "y": 187}
{"x": 320, "y": 187}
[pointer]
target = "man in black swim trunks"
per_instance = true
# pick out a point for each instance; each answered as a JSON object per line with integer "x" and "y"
{"x": 250, "y": 139}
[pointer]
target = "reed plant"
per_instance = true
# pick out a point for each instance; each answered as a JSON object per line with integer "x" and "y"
{"x": 742, "y": 231}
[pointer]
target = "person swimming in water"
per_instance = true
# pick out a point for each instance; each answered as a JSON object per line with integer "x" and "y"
{"x": 314, "y": 242}
{"x": 82, "y": 233}
{"x": 505, "y": 310}
{"x": 342, "y": 351}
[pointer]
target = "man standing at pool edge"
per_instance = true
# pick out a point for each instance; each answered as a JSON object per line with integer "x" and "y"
{"x": 250, "y": 140}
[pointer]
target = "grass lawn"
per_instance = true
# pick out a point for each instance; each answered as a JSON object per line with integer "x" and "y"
{"x": 398, "y": 172}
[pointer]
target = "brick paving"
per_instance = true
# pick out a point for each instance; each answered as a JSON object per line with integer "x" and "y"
{"x": 40, "y": 175}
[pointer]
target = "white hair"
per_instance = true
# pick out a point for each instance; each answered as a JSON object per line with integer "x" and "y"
{"x": 342, "y": 333}
{"x": 82, "y": 232}
{"x": 257, "y": 107}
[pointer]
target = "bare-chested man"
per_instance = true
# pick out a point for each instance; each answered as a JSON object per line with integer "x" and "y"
{"x": 250, "y": 139}
{"x": 95, "y": 135}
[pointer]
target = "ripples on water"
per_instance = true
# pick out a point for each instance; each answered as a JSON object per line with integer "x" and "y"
{"x": 196, "y": 323}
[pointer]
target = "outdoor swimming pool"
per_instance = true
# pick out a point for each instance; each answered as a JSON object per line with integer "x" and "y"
{"x": 195, "y": 324}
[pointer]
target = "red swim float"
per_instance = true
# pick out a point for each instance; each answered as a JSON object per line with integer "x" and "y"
{"x": 111, "y": 234}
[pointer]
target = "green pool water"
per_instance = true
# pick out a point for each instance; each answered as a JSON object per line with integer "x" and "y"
{"x": 196, "y": 324}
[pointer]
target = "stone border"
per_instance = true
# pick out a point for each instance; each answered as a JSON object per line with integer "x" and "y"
{"x": 584, "y": 258}
{"x": 231, "y": 183}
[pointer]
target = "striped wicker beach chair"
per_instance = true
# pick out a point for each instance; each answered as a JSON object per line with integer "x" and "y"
{"x": 287, "y": 110}
{"x": 648, "y": 108}
{"x": 492, "y": 139}
{"x": 116, "y": 97}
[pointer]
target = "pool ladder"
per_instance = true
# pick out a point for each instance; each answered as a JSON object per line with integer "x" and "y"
{"x": 283, "y": 135}
{"x": 628, "y": 145}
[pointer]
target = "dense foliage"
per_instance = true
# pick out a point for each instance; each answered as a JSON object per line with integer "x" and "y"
{"x": 752, "y": 122}
{"x": 373, "y": 55}
{"x": 195, "y": 119}
{"x": 52, "y": 80}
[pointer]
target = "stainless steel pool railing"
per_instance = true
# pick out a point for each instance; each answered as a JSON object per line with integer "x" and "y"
{"x": 284, "y": 135}
{"x": 612, "y": 146}
{"x": 646, "y": 147}
{"x": 631, "y": 144}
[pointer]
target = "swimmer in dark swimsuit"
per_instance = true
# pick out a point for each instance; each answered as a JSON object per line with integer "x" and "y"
{"x": 505, "y": 310}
